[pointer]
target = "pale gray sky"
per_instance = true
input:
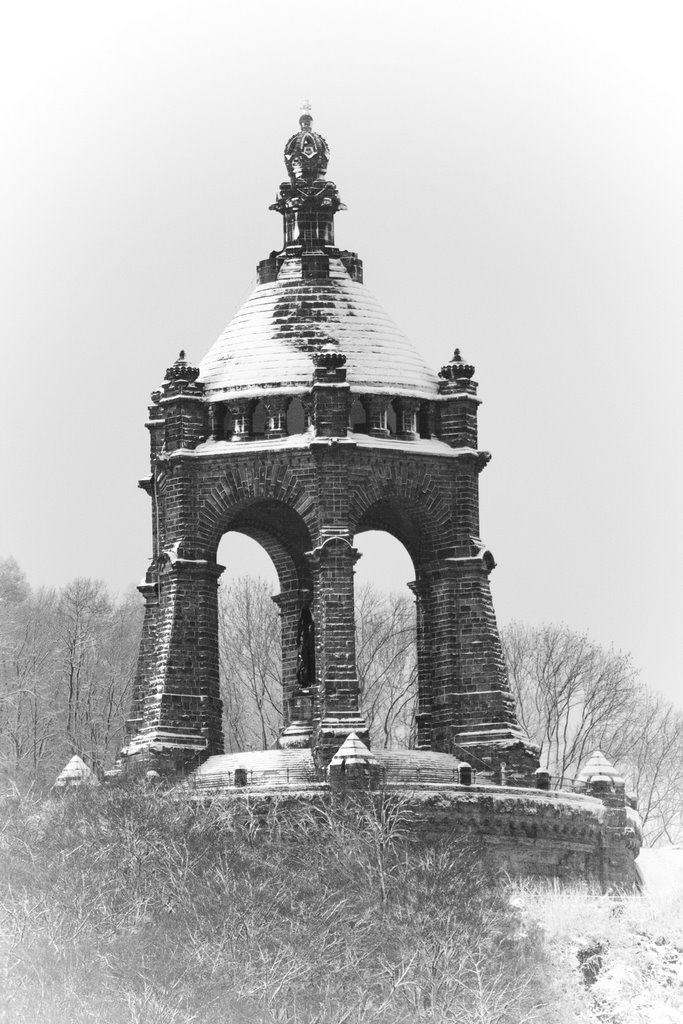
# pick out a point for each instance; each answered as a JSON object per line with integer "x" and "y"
{"x": 512, "y": 172}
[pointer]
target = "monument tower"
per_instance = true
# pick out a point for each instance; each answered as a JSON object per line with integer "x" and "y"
{"x": 310, "y": 420}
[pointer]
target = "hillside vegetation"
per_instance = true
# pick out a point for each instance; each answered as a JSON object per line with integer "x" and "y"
{"x": 126, "y": 905}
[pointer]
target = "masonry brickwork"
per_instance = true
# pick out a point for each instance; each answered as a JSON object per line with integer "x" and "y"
{"x": 229, "y": 453}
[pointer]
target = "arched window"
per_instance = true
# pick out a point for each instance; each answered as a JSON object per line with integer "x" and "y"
{"x": 258, "y": 422}
{"x": 425, "y": 420}
{"x": 391, "y": 418}
{"x": 296, "y": 417}
{"x": 358, "y": 420}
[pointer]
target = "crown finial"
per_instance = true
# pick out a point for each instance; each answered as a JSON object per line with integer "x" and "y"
{"x": 306, "y": 153}
{"x": 457, "y": 369}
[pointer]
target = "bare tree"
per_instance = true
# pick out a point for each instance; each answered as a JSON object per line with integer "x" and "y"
{"x": 250, "y": 664}
{"x": 574, "y": 696}
{"x": 66, "y": 664}
{"x": 652, "y": 762}
{"x": 386, "y": 660}
{"x": 28, "y": 725}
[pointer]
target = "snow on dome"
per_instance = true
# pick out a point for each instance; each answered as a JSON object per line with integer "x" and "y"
{"x": 75, "y": 773}
{"x": 260, "y": 767}
{"x": 270, "y": 342}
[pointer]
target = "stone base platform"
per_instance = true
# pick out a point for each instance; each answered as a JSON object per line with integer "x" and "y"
{"x": 524, "y": 832}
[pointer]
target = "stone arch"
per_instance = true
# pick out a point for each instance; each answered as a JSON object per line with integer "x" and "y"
{"x": 404, "y": 503}
{"x": 283, "y": 536}
{"x": 253, "y": 494}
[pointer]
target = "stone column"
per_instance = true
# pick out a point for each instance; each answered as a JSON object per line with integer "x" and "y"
{"x": 425, "y": 649}
{"x": 297, "y": 701}
{"x": 177, "y": 722}
{"x": 473, "y": 709}
{"x": 339, "y": 713}
{"x": 458, "y": 409}
{"x": 330, "y": 395}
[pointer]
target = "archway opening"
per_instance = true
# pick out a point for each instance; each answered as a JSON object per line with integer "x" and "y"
{"x": 249, "y": 644}
{"x": 386, "y": 650}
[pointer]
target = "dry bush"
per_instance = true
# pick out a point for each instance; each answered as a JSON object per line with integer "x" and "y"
{"x": 126, "y": 906}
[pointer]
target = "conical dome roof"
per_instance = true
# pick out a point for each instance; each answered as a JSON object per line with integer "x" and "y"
{"x": 271, "y": 341}
{"x": 353, "y": 751}
{"x": 598, "y": 765}
{"x": 310, "y": 296}
{"x": 75, "y": 773}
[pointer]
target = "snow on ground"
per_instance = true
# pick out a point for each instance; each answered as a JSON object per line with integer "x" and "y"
{"x": 662, "y": 870}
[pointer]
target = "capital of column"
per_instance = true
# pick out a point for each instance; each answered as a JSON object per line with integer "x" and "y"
{"x": 333, "y": 544}
{"x": 172, "y": 565}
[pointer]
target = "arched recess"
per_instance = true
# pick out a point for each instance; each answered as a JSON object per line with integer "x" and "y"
{"x": 391, "y": 419}
{"x": 296, "y": 416}
{"x": 258, "y": 421}
{"x": 358, "y": 417}
{"x": 422, "y": 534}
{"x": 262, "y": 637}
{"x": 386, "y": 627}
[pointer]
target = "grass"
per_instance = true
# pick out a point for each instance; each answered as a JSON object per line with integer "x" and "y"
{"x": 124, "y": 905}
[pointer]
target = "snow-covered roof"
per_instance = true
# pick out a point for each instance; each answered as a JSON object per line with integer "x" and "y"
{"x": 353, "y": 751}
{"x": 269, "y": 344}
{"x": 597, "y": 766}
{"x": 262, "y": 768}
{"x": 75, "y": 773}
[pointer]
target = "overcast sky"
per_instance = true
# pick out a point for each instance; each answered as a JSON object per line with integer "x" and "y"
{"x": 513, "y": 175}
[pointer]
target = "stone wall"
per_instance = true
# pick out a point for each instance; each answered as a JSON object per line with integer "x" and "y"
{"x": 519, "y": 832}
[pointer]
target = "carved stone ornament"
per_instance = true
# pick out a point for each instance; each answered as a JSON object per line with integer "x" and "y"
{"x": 182, "y": 370}
{"x": 306, "y": 153}
{"x": 457, "y": 368}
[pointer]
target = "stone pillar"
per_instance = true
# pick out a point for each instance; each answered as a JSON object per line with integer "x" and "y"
{"x": 331, "y": 395}
{"x": 473, "y": 714}
{"x": 146, "y": 653}
{"x": 458, "y": 410}
{"x": 621, "y": 834}
{"x": 183, "y": 407}
{"x": 177, "y": 722}
{"x": 338, "y": 711}
{"x": 425, "y": 650}
{"x": 297, "y": 701}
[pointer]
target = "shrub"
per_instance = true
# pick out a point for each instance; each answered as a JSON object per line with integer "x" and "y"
{"x": 127, "y": 906}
